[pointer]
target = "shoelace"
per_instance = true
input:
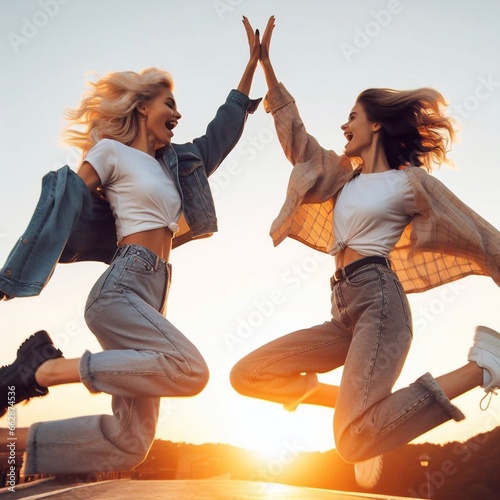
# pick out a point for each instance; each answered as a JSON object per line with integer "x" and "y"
{"x": 489, "y": 395}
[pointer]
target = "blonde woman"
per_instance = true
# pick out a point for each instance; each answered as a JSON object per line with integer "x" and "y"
{"x": 159, "y": 196}
{"x": 392, "y": 229}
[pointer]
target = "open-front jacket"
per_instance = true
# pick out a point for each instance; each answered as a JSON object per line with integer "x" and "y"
{"x": 445, "y": 240}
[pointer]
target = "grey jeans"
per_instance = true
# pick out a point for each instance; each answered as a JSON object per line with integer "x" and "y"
{"x": 369, "y": 335}
{"x": 144, "y": 358}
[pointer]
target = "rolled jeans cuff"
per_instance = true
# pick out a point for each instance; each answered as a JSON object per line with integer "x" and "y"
{"x": 312, "y": 385}
{"x": 429, "y": 382}
{"x": 86, "y": 374}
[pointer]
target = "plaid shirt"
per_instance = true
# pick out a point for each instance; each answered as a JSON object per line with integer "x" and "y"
{"x": 445, "y": 240}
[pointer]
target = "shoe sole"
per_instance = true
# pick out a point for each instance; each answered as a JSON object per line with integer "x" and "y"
{"x": 368, "y": 472}
{"x": 487, "y": 339}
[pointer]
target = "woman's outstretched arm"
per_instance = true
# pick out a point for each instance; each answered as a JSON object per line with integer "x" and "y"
{"x": 265, "y": 60}
{"x": 298, "y": 145}
{"x": 254, "y": 44}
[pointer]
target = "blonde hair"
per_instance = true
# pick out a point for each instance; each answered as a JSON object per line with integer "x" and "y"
{"x": 109, "y": 108}
{"x": 415, "y": 130}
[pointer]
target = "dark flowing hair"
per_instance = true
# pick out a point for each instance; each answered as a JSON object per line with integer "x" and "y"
{"x": 415, "y": 131}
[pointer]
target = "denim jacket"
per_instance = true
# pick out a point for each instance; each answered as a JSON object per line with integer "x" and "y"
{"x": 70, "y": 224}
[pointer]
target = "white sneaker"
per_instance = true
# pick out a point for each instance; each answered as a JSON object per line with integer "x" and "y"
{"x": 368, "y": 472}
{"x": 485, "y": 351}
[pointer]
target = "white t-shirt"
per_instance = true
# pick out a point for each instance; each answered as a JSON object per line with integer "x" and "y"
{"x": 370, "y": 214}
{"x": 140, "y": 191}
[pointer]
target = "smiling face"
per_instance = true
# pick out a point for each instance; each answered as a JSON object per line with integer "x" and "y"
{"x": 359, "y": 132}
{"x": 161, "y": 117}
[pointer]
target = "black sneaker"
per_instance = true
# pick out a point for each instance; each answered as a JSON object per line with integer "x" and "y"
{"x": 17, "y": 381}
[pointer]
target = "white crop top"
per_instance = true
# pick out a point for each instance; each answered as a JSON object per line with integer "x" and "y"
{"x": 370, "y": 213}
{"x": 140, "y": 191}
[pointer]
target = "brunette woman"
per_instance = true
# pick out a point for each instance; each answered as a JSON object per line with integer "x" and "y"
{"x": 392, "y": 229}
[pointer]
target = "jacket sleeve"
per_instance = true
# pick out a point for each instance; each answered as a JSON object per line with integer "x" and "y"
{"x": 316, "y": 169}
{"x": 31, "y": 262}
{"x": 317, "y": 175}
{"x": 224, "y": 131}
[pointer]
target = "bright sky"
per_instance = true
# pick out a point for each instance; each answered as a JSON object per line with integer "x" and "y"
{"x": 234, "y": 292}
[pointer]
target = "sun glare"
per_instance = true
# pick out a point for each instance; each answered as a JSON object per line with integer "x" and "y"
{"x": 267, "y": 451}
{"x": 279, "y": 453}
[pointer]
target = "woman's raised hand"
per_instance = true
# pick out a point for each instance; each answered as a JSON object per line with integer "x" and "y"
{"x": 254, "y": 44}
{"x": 253, "y": 41}
{"x": 266, "y": 41}
{"x": 265, "y": 60}
{"x": 258, "y": 51}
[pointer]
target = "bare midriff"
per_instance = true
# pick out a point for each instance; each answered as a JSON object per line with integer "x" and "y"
{"x": 346, "y": 256}
{"x": 158, "y": 241}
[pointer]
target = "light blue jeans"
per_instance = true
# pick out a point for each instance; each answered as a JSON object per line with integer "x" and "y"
{"x": 144, "y": 358}
{"x": 369, "y": 335}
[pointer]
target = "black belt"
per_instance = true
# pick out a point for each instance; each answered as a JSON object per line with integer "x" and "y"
{"x": 344, "y": 272}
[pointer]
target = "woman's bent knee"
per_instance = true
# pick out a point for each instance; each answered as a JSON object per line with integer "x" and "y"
{"x": 200, "y": 380}
{"x": 131, "y": 448}
{"x": 353, "y": 448}
{"x": 131, "y": 461}
{"x": 197, "y": 379}
{"x": 348, "y": 453}
{"x": 240, "y": 378}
